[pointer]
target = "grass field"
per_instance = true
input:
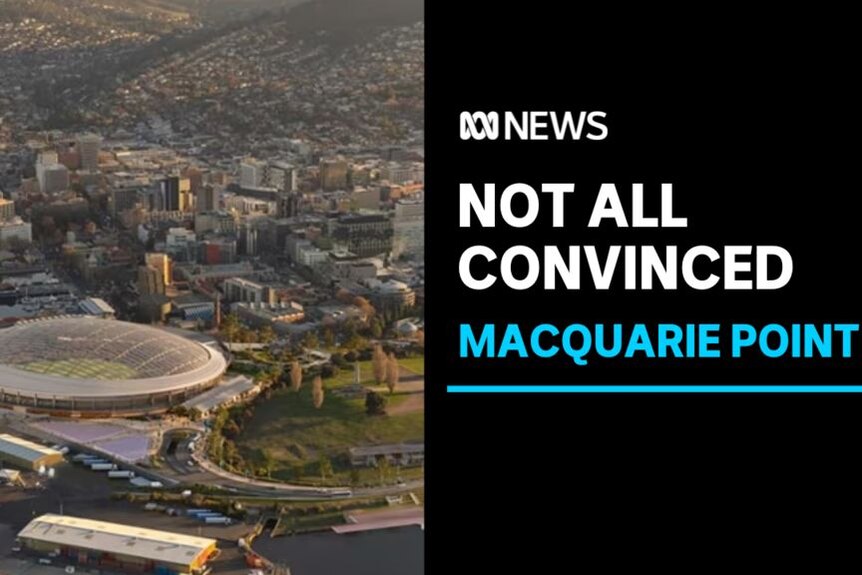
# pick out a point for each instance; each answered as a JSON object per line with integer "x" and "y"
{"x": 414, "y": 364}
{"x": 366, "y": 371}
{"x": 296, "y": 434}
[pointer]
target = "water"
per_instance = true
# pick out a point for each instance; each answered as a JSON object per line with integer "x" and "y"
{"x": 383, "y": 552}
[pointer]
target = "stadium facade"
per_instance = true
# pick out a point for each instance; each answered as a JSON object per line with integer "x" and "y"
{"x": 90, "y": 367}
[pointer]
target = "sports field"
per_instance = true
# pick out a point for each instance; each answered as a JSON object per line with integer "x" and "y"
{"x": 82, "y": 368}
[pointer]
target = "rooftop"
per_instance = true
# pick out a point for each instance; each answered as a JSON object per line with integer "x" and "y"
{"x": 23, "y": 449}
{"x": 388, "y": 449}
{"x": 223, "y": 393}
{"x": 90, "y": 348}
{"x": 161, "y": 546}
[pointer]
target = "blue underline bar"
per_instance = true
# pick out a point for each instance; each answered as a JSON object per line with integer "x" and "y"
{"x": 654, "y": 388}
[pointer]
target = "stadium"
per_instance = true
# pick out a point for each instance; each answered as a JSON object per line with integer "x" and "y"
{"x": 90, "y": 367}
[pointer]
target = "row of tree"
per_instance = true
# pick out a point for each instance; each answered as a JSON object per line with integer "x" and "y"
{"x": 386, "y": 368}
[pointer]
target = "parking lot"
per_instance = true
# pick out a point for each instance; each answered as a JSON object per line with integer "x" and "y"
{"x": 84, "y": 493}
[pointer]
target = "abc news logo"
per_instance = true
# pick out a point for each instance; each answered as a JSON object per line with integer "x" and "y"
{"x": 533, "y": 126}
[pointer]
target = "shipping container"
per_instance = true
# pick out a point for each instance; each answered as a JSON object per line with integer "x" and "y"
{"x": 121, "y": 474}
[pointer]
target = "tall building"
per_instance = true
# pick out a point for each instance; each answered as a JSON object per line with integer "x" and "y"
{"x": 161, "y": 262}
{"x": 123, "y": 199}
{"x": 289, "y": 204}
{"x": 239, "y": 289}
{"x": 7, "y": 209}
{"x": 150, "y": 281}
{"x": 215, "y": 251}
{"x": 409, "y": 229}
{"x": 251, "y": 173}
{"x": 282, "y": 176}
{"x": 333, "y": 174}
{"x": 173, "y": 195}
{"x": 89, "y": 146}
{"x": 196, "y": 179}
{"x": 52, "y": 178}
{"x": 248, "y": 239}
{"x": 364, "y": 234}
{"x": 206, "y": 199}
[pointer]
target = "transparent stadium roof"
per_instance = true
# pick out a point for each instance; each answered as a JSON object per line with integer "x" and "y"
{"x": 92, "y": 348}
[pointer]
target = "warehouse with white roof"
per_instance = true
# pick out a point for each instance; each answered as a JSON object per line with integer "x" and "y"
{"x": 26, "y": 454}
{"x": 117, "y": 547}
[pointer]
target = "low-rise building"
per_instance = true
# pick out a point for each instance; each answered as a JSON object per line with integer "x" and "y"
{"x": 273, "y": 315}
{"x": 401, "y": 454}
{"x": 225, "y": 394}
{"x": 26, "y": 454}
{"x": 116, "y": 547}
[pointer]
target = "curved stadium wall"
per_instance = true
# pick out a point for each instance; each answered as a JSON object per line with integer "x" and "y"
{"x": 90, "y": 367}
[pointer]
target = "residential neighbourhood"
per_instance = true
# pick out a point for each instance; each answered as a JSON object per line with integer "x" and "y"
{"x": 211, "y": 284}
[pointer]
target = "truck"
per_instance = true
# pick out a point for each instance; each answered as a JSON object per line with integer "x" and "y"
{"x": 220, "y": 520}
{"x": 103, "y": 467}
{"x": 85, "y": 457}
{"x": 120, "y": 474}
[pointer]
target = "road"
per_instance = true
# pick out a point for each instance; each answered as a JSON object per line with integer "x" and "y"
{"x": 180, "y": 465}
{"x": 80, "y": 492}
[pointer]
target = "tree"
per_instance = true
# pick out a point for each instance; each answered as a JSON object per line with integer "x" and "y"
{"x": 378, "y": 363}
{"x": 295, "y": 376}
{"x": 393, "y": 373}
{"x": 376, "y": 328}
{"x": 354, "y": 476}
{"x": 297, "y": 471}
{"x": 383, "y": 468}
{"x": 275, "y": 374}
{"x": 344, "y": 296}
{"x": 230, "y": 326}
{"x": 266, "y": 334}
{"x": 267, "y": 461}
{"x": 364, "y": 306}
{"x": 317, "y": 391}
{"x": 375, "y": 404}
{"x": 328, "y": 337}
{"x": 325, "y": 467}
{"x": 310, "y": 340}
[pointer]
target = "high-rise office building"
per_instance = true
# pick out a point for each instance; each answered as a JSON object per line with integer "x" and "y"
{"x": 89, "y": 146}
{"x": 333, "y": 174}
{"x": 123, "y": 199}
{"x": 281, "y": 176}
{"x": 409, "y": 229}
{"x": 161, "y": 262}
{"x": 251, "y": 173}
{"x": 364, "y": 234}
{"x": 207, "y": 199}
{"x": 289, "y": 204}
{"x": 150, "y": 281}
{"x": 243, "y": 290}
{"x": 52, "y": 178}
{"x": 173, "y": 194}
